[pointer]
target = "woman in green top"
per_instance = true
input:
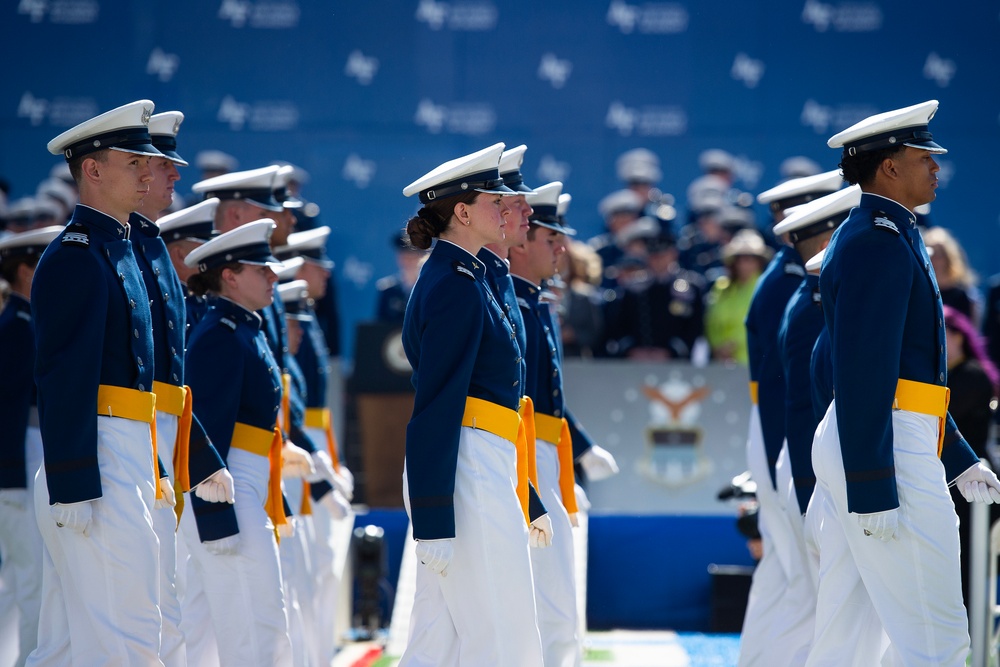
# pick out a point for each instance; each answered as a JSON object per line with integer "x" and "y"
{"x": 729, "y": 299}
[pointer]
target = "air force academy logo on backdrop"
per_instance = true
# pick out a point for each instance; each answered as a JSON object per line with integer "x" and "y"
{"x": 361, "y": 67}
{"x": 823, "y": 118}
{"x": 675, "y": 455}
{"x": 359, "y": 171}
{"x": 63, "y": 12}
{"x": 461, "y": 118}
{"x": 748, "y": 70}
{"x": 648, "y": 18}
{"x": 459, "y": 16}
{"x": 939, "y": 70}
{"x": 162, "y": 65}
{"x": 270, "y": 14}
{"x": 554, "y": 70}
{"x": 842, "y": 16}
{"x": 646, "y": 121}
{"x": 258, "y": 116}
{"x": 59, "y": 111}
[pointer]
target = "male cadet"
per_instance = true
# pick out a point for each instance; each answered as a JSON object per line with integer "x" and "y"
{"x": 185, "y": 451}
{"x": 808, "y": 227}
{"x": 20, "y": 440}
{"x": 767, "y": 427}
{"x": 182, "y": 232}
{"x": 887, "y": 448}
{"x": 531, "y": 264}
{"x": 95, "y": 491}
{"x": 312, "y": 367}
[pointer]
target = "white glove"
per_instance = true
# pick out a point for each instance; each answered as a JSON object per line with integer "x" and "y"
{"x": 14, "y": 498}
{"x": 227, "y": 546}
{"x": 880, "y": 525}
{"x": 75, "y": 516}
{"x": 979, "y": 484}
{"x": 344, "y": 481}
{"x": 436, "y": 555}
{"x": 335, "y": 504}
{"x": 169, "y": 498}
{"x": 540, "y": 532}
{"x": 322, "y": 466}
{"x": 296, "y": 462}
{"x": 287, "y": 529}
{"x": 217, "y": 488}
{"x": 598, "y": 463}
{"x": 348, "y": 480}
{"x": 582, "y": 501}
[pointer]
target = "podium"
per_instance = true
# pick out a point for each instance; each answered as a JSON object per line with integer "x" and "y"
{"x": 384, "y": 400}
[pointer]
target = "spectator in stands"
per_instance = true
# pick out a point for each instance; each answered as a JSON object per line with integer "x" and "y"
{"x": 973, "y": 381}
{"x": 618, "y": 209}
{"x": 700, "y": 244}
{"x": 394, "y": 291}
{"x": 955, "y": 278}
{"x": 580, "y": 309}
{"x": 639, "y": 170}
{"x": 728, "y": 301}
{"x": 661, "y": 317}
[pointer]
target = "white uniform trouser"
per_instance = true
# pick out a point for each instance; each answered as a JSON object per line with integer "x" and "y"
{"x": 328, "y": 552}
{"x": 100, "y": 592}
{"x": 196, "y": 617}
{"x": 296, "y": 577}
{"x": 770, "y": 579}
{"x": 794, "y": 630}
{"x": 21, "y": 550}
{"x": 483, "y": 613}
{"x": 913, "y": 583}
{"x": 244, "y": 589}
{"x": 172, "y": 651}
{"x": 553, "y": 570}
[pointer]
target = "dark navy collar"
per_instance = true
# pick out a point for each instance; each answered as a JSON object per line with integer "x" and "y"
{"x": 495, "y": 264}
{"x": 233, "y": 310}
{"x": 17, "y": 301}
{"x": 144, "y": 225}
{"x": 94, "y": 218}
{"x": 451, "y": 251}
{"x": 525, "y": 288}
{"x": 890, "y": 207}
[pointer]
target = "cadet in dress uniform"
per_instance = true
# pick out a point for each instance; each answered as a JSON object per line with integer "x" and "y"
{"x": 95, "y": 492}
{"x": 182, "y": 232}
{"x": 531, "y": 264}
{"x": 237, "y": 388}
{"x": 465, "y": 478}
{"x": 767, "y": 425}
{"x": 20, "y": 439}
{"x": 186, "y": 454}
{"x": 887, "y": 449}
{"x": 808, "y": 227}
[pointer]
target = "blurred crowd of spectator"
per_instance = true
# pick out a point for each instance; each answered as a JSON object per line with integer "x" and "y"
{"x": 658, "y": 283}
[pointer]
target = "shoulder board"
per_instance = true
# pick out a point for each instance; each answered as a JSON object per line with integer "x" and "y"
{"x": 794, "y": 270}
{"x": 228, "y": 322}
{"x": 523, "y": 303}
{"x": 460, "y": 269}
{"x": 880, "y": 221}
{"x": 78, "y": 238}
{"x": 24, "y": 315}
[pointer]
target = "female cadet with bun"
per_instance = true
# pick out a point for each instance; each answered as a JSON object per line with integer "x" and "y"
{"x": 237, "y": 392}
{"x": 466, "y": 497}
